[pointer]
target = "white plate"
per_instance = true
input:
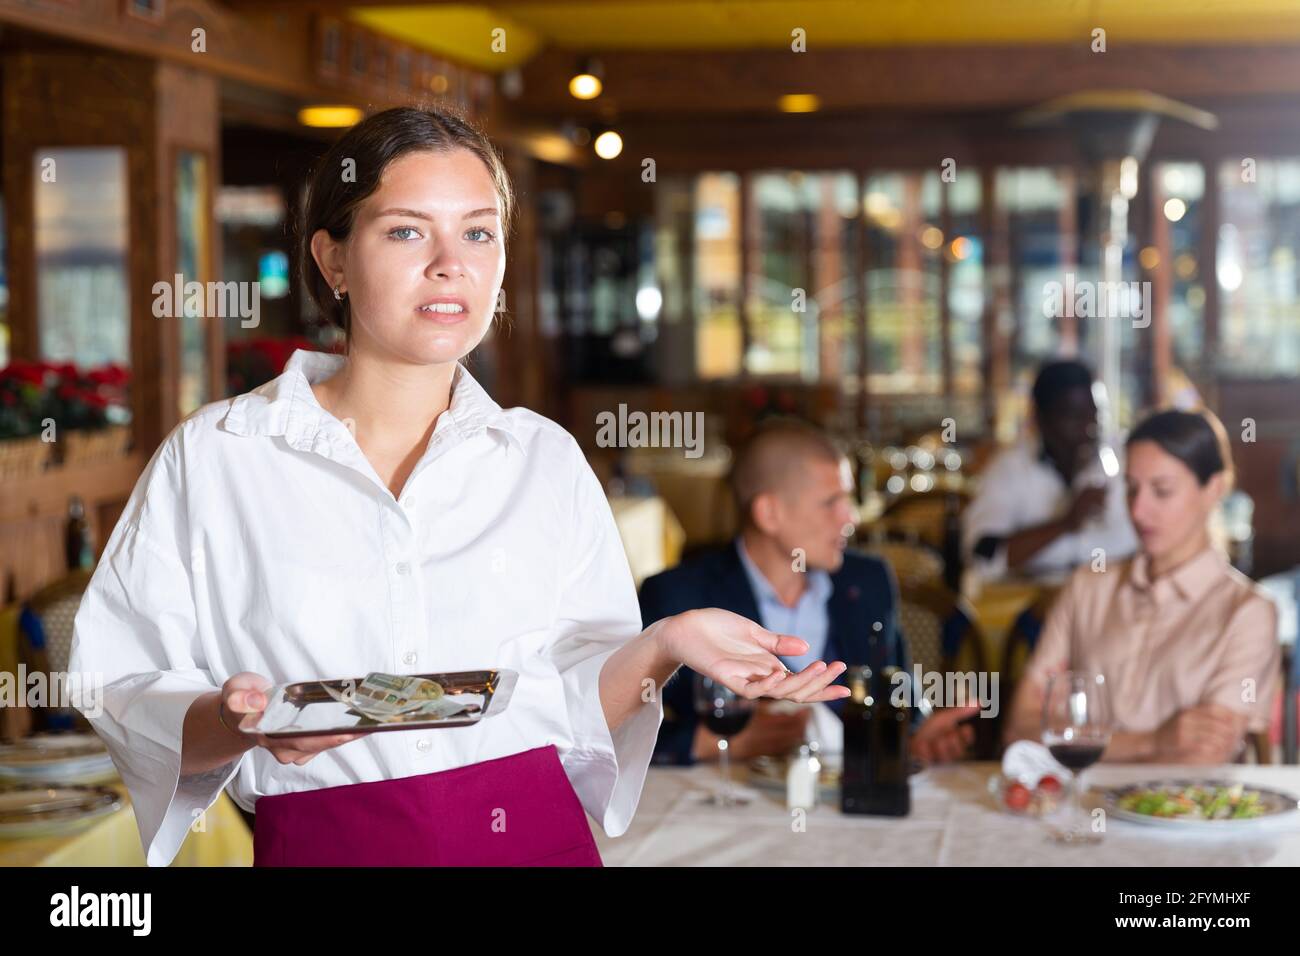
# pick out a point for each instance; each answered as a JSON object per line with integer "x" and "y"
{"x": 46, "y": 811}
{"x": 57, "y": 758}
{"x": 1275, "y": 803}
{"x": 45, "y": 748}
{"x": 79, "y": 772}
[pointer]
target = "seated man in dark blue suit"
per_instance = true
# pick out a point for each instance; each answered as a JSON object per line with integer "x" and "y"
{"x": 788, "y": 570}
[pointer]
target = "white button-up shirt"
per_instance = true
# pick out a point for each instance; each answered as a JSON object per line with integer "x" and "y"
{"x": 1020, "y": 489}
{"x": 259, "y": 538}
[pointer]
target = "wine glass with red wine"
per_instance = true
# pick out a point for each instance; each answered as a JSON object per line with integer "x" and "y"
{"x": 725, "y": 713}
{"x": 1076, "y": 729}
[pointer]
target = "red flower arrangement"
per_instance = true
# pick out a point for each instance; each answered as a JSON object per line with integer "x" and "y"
{"x": 254, "y": 362}
{"x": 764, "y": 401}
{"x": 31, "y": 392}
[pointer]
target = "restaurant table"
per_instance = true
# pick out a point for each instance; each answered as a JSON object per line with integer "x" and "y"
{"x": 954, "y": 822}
{"x": 114, "y": 840}
{"x": 695, "y": 489}
{"x": 650, "y": 532}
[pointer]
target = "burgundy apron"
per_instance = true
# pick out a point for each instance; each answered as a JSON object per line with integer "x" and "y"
{"x": 513, "y": 811}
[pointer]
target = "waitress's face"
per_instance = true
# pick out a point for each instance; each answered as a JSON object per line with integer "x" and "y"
{"x": 1169, "y": 507}
{"x": 424, "y": 262}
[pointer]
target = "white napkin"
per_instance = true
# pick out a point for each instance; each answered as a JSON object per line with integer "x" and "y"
{"x": 824, "y": 727}
{"x": 1029, "y": 761}
{"x": 827, "y": 729}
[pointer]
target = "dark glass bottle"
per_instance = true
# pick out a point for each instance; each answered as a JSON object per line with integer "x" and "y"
{"x": 78, "y": 547}
{"x": 876, "y": 727}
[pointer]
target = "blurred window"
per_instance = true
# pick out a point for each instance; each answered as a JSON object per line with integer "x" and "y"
{"x": 193, "y": 260}
{"x": 1258, "y": 241}
{"x": 1182, "y": 189}
{"x": 904, "y": 243}
{"x": 80, "y": 238}
{"x": 717, "y": 275}
{"x": 966, "y": 255}
{"x": 1030, "y": 199}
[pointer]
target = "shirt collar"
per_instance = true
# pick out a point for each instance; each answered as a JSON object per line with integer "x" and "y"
{"x": 1194, "y": 576}
{"x": 287, "y": 406}
{"x": 819, "y": 581}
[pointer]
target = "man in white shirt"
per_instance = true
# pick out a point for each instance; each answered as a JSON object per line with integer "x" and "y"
{"x": 1051, "y": 503}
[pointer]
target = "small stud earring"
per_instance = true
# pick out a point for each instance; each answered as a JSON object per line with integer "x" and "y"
{"x": 337, "y": 295}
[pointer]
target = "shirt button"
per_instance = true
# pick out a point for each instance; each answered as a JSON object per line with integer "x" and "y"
{"x": 408, "y": 657}
{"x": 403, "y": 567}
{"x": 422, "y": 744}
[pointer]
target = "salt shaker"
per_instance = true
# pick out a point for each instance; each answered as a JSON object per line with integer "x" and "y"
{"x": 802, "y": 777}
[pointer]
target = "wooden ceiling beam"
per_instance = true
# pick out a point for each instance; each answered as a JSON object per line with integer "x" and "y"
{"x": 951, "y": 78}
{"x": 1265, "y": 126}
{"x": 334, "y": 6}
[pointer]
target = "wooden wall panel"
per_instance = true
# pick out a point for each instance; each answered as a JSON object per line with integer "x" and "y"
{"x": 151, "y": 110}
{"x": 33, "y": 513}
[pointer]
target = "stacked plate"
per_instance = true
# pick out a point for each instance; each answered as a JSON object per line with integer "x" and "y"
{"x": 56, "y": 759}
{"x": 47, "y": 784}
{"x": 30, "y": 810}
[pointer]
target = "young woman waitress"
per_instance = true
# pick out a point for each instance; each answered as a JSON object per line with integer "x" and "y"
{"x": 379, "y": 512}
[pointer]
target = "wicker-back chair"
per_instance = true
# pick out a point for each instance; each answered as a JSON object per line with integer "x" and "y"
{"x": 46, "y": 629}
{"x": 914, "y": 565}
{"x": 1022, "y": 639}
{"x": 944, "y": 637}
{"x": 922, "y": 515}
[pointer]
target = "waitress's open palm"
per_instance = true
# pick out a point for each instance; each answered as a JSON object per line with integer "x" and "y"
{"x": 743, "y": 657}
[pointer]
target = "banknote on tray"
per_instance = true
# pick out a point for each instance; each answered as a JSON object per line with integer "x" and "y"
{"x": 394, "y": 698}
{"x": 381, "y": 701}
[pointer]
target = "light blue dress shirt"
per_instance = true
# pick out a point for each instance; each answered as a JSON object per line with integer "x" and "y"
{"x": 808, "y": 619}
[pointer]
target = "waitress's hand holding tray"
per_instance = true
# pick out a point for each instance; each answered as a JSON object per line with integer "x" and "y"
{"x": 318, "y": 713}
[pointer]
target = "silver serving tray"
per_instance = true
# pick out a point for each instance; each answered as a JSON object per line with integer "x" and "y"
{"x": 307, "y": 709}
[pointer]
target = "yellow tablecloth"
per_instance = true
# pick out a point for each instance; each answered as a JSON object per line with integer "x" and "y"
{"x": 651, "y": 535}
{"x": 695, "y": 489}
{"x": 997, "y": 605}
{"x": 115, "y": 841}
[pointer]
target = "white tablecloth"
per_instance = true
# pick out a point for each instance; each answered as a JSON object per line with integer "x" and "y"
{"x": 954, "y": 822}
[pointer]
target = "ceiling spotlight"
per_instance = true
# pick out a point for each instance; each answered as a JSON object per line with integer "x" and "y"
{"x": 799, "y": 103}
{"x": 329, "y": 117}
{"x": 586, "y": 84}
{"x": 608, "y": 144}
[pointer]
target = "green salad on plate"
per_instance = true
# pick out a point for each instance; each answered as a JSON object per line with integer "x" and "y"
{"x": 1194, "y": 802}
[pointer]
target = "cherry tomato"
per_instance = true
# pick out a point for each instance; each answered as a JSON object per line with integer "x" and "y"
{"x": 1016, "y": 797}
{"x": 1049, "y": 784}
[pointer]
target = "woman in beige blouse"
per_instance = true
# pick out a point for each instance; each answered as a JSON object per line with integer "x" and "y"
{"x": 1187, "y": 644}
